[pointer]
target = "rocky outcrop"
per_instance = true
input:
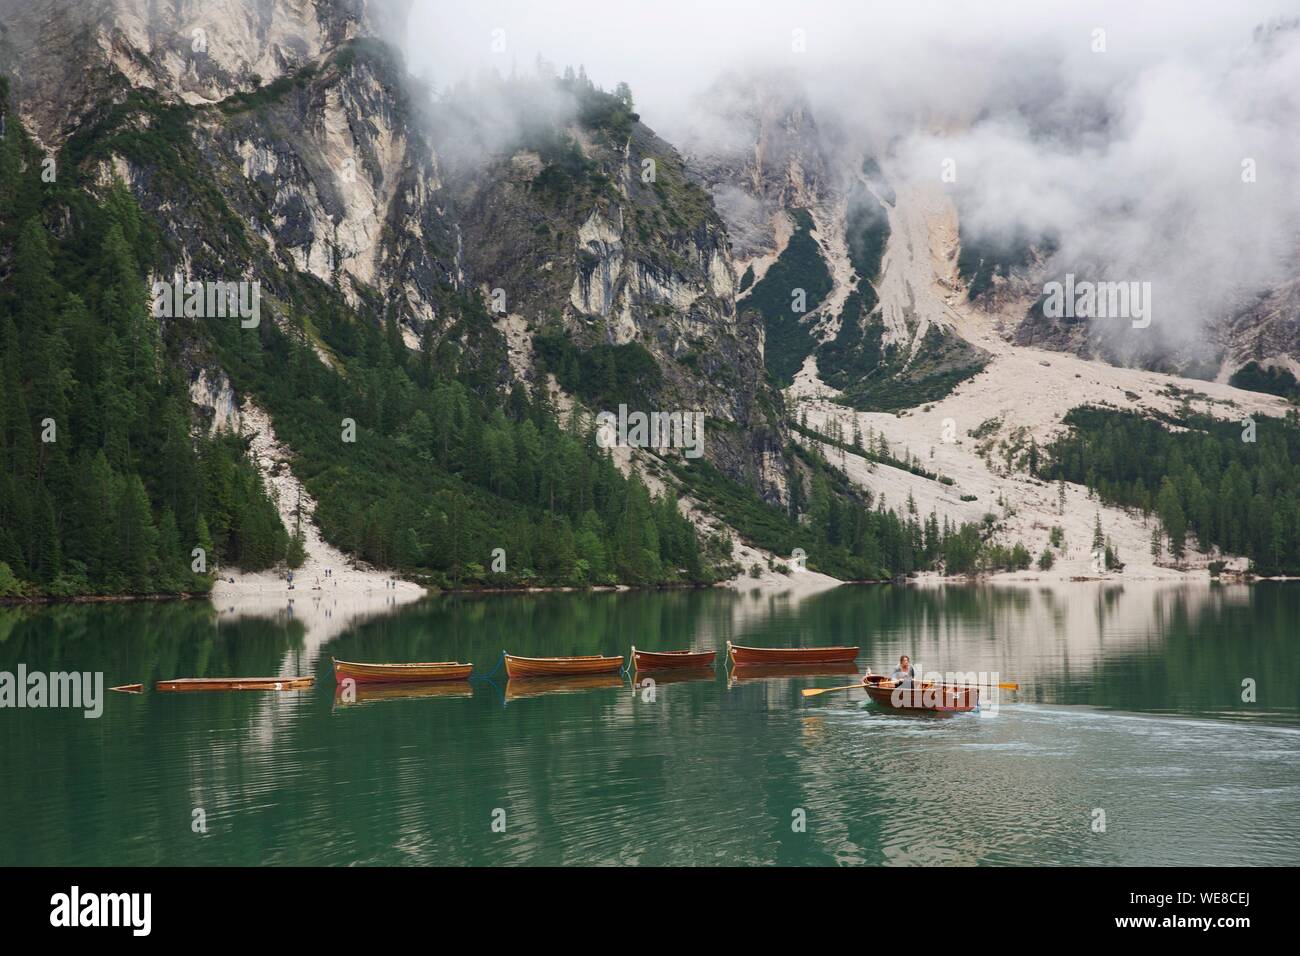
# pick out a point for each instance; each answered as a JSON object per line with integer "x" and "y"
{"x": 280, "y": 142}
{"x": 66, "y": 56}
{"x": 213, "y": 396}
{"x": 760, "y": 151}
{"x": 600, "y": 267}
{"x": 815, "y": 214}
{"x": 335, "y": 176}
{"x": 597, "y": 230}
{"x": 1006, "y": 281}
{"x": 1268, "y": 332}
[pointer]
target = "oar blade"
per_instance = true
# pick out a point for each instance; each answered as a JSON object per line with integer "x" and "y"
{"x": 814, "y": 691}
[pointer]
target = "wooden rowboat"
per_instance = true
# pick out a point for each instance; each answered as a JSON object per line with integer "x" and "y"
{"x": 236, "y": 683}
{"x": 791, "y": 655}
{"x": 560, "y": 666}
{"x": 666, "y": 660}
{"x": 396, "y": 673}
{"x": 928, "y": 696}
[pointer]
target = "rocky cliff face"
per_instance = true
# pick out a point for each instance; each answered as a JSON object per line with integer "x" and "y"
{"x": 65, "y": 57}
{"x": 1267, "y": 332}
{"x": 761, "y": 152}
{"x": 282, "y": 142}
{"x": 336, "y": 180}
{"x": 824, "y": 229}
{"x": 269, "y": 112}
{"x": 1007, "y": 282}
{"x": 594, "y": 229}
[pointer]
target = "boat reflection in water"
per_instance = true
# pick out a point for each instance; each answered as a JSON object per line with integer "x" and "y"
{"x": 749, "y": 672}
{"x": 569, "y": 684}
{"x": 350, "y": 696}
{"x": 679, "y": 675}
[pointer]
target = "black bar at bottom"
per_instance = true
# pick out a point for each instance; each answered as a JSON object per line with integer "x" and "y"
{"x": 334, "y": 904}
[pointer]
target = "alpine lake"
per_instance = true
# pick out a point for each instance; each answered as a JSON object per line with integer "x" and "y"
{"x": 1153, "y": 725}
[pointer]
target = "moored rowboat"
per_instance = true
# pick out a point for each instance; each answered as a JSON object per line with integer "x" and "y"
{"x": 236, "y": 683}
{"x": 791, "y": 655}
{"x": 394, "y": 673}
{"x": 559, "y": 666}
{"x": 666, "y": 660}
{"x": 936, "y": 698}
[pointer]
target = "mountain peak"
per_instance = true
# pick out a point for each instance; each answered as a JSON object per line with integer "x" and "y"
{"x": 66, "y": 56}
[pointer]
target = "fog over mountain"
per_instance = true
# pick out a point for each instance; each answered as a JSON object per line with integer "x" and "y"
{"x": 825, "y": 228}
{"x": 1118, "y": 132}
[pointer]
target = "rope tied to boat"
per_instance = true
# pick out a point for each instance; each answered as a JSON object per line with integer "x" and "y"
{"x": 492, "y": 673}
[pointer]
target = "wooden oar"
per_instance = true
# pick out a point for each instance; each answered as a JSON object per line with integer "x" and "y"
{"x": 814, "y": 691}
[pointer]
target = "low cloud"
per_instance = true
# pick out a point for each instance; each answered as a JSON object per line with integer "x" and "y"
{"x": 1118, "y": 129}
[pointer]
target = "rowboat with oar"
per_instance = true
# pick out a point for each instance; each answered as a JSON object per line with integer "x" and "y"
{"x": 560, "y": 666}
{"x": 236, "y": 683}
{"x": 398, "y": 673}
{"x": 927, "y": 696}
{"x": 671, "y": 660}
{"x": 790, "y": 655}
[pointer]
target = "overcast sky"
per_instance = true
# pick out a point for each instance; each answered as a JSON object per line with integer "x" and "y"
{"x": 1133, "y": 153}
{"x": 953, "y": 50}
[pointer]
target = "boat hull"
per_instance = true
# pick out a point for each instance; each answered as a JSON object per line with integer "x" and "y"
{"x": 672, "y": 660}
{"x": 400, "y": 673}
{"x": 517, "y": 667}
{"x": 927, "y": 698}
{"x": 791, "y": 655}
{"x": 235, "y": 683}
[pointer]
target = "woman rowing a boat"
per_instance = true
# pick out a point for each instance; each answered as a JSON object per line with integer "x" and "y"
{"x": 902, "y": 675}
